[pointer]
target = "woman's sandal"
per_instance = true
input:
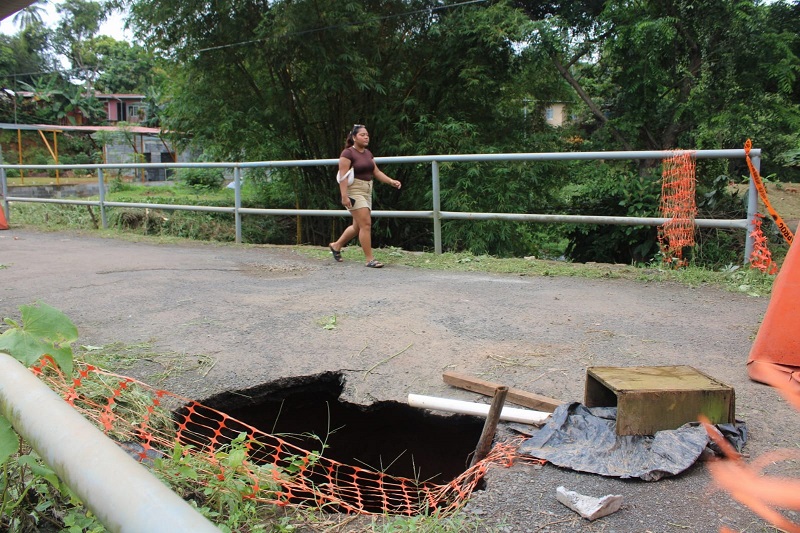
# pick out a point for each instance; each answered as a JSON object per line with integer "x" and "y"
{"x": 374, "y": 264}
{"x": 337, "y": 254}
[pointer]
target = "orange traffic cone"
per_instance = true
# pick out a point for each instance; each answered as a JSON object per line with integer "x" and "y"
{"x": 3, "y": 221}
{"x": 777, "y": 344}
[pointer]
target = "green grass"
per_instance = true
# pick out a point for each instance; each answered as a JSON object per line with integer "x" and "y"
{"x": 735, "y": 278}
{"x": 194, "y": 227}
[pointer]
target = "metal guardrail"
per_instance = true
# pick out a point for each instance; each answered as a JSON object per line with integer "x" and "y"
{"x": 436, "y": 213}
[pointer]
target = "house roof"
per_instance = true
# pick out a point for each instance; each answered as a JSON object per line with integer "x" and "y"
{"x": 9, "y": 7}
{"x": 119, "y": 96}
{"x": 87, "y": 129}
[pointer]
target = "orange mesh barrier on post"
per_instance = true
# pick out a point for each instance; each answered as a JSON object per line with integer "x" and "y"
{"x": 679, "y": 206}
{"x": 761, "y": 257}
{"x": 149, "y": 423}
{"x": 762, "y": 192}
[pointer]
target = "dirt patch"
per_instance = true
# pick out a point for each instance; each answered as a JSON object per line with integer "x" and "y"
{"x": 784, "y": 197}
{"x": 261, "y": 313}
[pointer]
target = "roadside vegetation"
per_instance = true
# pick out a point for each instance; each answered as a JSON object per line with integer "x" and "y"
{"x": 33, "y": 498}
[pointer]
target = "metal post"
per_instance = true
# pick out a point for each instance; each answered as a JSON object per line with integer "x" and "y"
{"x": 437, "y": 209}
{"x": 752, "y": 209}
{"x": 237, "y": 202}
{"x": 102, "y": 189}
{"x": 55, "y": 156}
{"x": 4, "y": 187}
{"x": 19, "y": 153}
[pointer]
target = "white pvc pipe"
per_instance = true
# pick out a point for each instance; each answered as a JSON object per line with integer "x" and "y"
{"x": 122, "y": 493}
{"x": 510, "y": 414}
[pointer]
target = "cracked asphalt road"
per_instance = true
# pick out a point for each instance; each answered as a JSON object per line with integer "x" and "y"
{"x": 259, "y": 312}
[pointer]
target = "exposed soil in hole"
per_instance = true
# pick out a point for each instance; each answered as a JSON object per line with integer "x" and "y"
{"x": 388, "y": 437}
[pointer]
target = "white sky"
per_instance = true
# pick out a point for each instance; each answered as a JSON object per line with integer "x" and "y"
{"x": 111, "y": 27}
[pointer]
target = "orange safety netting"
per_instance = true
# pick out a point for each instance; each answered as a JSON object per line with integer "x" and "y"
{"x": 679, "y": 206}
{"x": 787, "y": 234}
{"x": 761, "y": 257}
{"x": 150, "y": 423}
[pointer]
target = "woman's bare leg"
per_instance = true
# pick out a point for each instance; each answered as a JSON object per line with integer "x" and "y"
{"x": 349, "y": 233}
{"x": 362, "y": 223}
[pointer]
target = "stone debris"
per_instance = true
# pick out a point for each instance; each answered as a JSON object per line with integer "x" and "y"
{"x": 587, "y": 506}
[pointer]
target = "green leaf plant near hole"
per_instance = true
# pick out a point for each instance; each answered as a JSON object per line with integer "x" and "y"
{"x": 9, "y": 441}
{"x": 328, "y": 322}
{"x": 44, "y": 331}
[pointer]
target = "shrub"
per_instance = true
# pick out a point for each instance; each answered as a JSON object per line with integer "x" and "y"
{"x": 201, "y": 178}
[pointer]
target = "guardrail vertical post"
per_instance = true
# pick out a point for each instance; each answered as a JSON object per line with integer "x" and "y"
{"x": 4, "y": 187}
{"x": 752, "y": 209}
{"x": 237, "y": 185}
{"x": 102, "y": 188}
{"x": 437, "y": 208}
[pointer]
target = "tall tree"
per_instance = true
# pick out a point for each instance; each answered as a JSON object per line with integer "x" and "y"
{"x": 30, "y": 15}
{"x": 286, "y": 79}
{"x": 80, "y": 22}
{"x": 123, "y": 67}
{"x": 658, "y": 75}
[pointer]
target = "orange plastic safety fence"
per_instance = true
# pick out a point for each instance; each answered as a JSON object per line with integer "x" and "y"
{"x": 679, "y": 206}
{"x": 150, "y": 423}
{"x": 761, "y": 257}
{"x": 787, "y": 234}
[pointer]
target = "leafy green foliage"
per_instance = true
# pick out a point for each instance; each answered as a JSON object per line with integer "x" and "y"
{"x": 613, "y": 191}
{"x": 33, "y": 495}
{"x": 9, "y": 441}
{"x": 44, "y": 331}
{"x": 58, "y": 100}
{"x": 201, "y": 178}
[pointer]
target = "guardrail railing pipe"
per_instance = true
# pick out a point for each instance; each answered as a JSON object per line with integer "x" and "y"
{"x": 435, "y": 213}
{"x": 122, "y": 493}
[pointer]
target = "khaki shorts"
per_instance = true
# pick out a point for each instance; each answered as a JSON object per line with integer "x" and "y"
{"x": 361, "y": 192}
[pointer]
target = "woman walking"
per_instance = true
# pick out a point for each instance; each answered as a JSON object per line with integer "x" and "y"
{"x": 357, "y": 198}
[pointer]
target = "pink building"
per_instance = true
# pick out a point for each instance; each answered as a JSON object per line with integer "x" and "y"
{"x": 124, "y": 107}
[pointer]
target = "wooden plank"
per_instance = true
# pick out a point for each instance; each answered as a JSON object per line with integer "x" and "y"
{"x": 487, "y": 388}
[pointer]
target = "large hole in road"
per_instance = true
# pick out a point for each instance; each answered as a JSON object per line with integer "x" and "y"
{"x": 389, "y": 437}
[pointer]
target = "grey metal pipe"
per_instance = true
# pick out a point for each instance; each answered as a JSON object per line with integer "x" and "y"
{"x": 453, "y": 158}
{"x": 442, "y": 215}
{"x": 590, "y": 219}
{"x": 4, "y": 187}
{"x": 237, "y": 202}
{"x": 437, "y": 209}
{"x": 752, "y": 209}
{"x": 123, "y": 495}
{"x": 102, "y": 189}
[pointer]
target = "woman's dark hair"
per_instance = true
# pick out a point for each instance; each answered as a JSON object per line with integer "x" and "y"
{"x": 351, "y": 135}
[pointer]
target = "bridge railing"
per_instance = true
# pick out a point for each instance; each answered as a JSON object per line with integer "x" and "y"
{"x": 435, "y": 213}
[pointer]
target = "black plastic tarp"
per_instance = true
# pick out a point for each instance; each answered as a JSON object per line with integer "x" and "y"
{"x": 584, "y": 439}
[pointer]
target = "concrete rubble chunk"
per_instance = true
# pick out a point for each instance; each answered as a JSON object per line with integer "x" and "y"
{"x": 587, "y": 506}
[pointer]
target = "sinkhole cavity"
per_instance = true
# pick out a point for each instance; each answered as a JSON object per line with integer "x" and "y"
{"x": 389, "y": 437}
